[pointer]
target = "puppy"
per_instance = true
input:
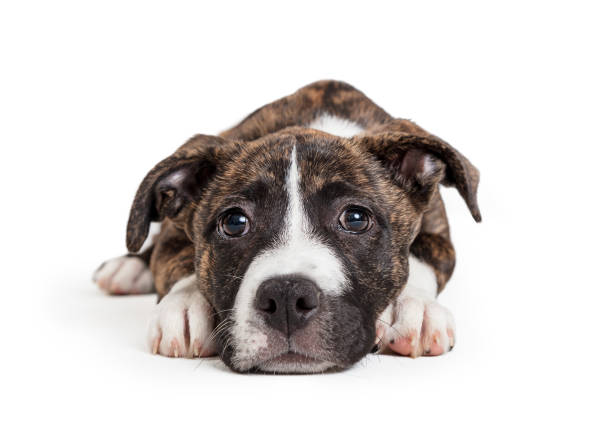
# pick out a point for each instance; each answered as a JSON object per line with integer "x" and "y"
{"x": 300, "y": 240}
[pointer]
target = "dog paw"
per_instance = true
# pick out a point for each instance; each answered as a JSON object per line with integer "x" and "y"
{"x": 182, "y": 323}
{"x": 418, "y": 326}
{"x": 124, "y": 275}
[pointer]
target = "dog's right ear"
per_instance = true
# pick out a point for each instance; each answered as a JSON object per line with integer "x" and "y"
{"x": 173, "y": 186}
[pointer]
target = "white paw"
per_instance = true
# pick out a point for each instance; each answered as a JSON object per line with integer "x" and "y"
{"x": 416, "y": 326}
{"x": 124, "y": 275}
{"x": 182, "y": 323}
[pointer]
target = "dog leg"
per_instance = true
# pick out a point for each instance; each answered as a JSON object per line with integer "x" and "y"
{"x": 182, "y": 323}
{"x": 125, "y": 275}
{"x": 415, "y": 323}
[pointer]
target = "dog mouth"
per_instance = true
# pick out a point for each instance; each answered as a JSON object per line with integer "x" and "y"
{"x": 294, "y": 362}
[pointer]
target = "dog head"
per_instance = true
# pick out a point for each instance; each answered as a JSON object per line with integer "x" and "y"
{"x": 301, "y": 237}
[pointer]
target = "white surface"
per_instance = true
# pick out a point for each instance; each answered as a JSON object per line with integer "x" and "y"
{"x": 93, "y": 96}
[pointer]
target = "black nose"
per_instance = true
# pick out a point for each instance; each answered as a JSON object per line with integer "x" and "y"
{"x": 287, "y": 303}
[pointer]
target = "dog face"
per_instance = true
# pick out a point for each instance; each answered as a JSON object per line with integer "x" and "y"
{"x": 301, "y": 238}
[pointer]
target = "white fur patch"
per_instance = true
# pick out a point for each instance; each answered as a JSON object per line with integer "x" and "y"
{"x": 298, "y": 252}
{"x": 421, "y": 279}
{"x": 154, "y": 229}
{"x": 428, "y": 165}
{"x": 124, "y": 275}
{"x": 184, "y": 307}
{"x": 333, "y": 125}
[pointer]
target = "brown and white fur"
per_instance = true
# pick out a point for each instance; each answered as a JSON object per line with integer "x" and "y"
{"x": 303, "y": 238}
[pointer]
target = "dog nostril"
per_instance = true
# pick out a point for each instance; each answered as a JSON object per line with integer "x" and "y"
{"x": 306, "y": 303}
{"x": 269, "y": 306}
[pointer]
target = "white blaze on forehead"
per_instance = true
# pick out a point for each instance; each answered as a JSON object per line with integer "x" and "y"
{"x": 340, "y": 127}
{"x": 297, "y": 252}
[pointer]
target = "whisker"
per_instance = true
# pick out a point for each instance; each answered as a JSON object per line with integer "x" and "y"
{"x": 224, "y": 311}
{"x": 234, "y": 277}
{"x": 218, "y": 329}
{"x": 389, "y": 325}
{"x": 221, "y": 326}
{"x": 225, "y": 347}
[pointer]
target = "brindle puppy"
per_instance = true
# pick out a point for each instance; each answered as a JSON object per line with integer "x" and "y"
{"x": 300, "y": 239}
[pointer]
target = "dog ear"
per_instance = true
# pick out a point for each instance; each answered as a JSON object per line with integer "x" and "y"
{"x": 419, "y": 162}
{"x": 173, "y": 186}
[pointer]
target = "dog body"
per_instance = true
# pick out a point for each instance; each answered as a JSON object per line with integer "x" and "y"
{"x": 299, "y": 240}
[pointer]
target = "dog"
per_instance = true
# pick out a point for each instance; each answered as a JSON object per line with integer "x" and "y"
{"x": 300, "y": 240}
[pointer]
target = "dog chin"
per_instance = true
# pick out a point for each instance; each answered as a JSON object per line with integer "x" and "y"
{"x": 292, "y": 362}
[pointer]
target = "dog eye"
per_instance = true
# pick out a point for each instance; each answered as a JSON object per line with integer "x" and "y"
{"x": 234, "y": 224}
{"x": 355, "y": 220}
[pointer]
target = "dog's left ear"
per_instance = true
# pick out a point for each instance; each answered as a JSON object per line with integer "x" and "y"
{"x": 419, "y": 162}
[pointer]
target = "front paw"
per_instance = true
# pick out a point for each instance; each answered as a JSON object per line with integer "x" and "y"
{"x": 182, "y": 323}
{"x": 418, "y": 326}
{"x": 124, "y": 275}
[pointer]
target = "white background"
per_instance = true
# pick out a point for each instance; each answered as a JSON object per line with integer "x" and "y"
{"x": 93, "y": 95}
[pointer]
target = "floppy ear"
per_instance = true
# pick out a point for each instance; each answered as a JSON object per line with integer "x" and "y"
{"x": 419, "y": 162}
{"x": 173, "y": 186}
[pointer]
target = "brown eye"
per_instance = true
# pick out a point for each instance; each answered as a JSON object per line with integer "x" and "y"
{"x": 234, "y": 224}
{"x": 355, "y": 220}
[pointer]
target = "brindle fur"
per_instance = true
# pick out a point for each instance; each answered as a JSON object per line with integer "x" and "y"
{"x": 173, "y": 253}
